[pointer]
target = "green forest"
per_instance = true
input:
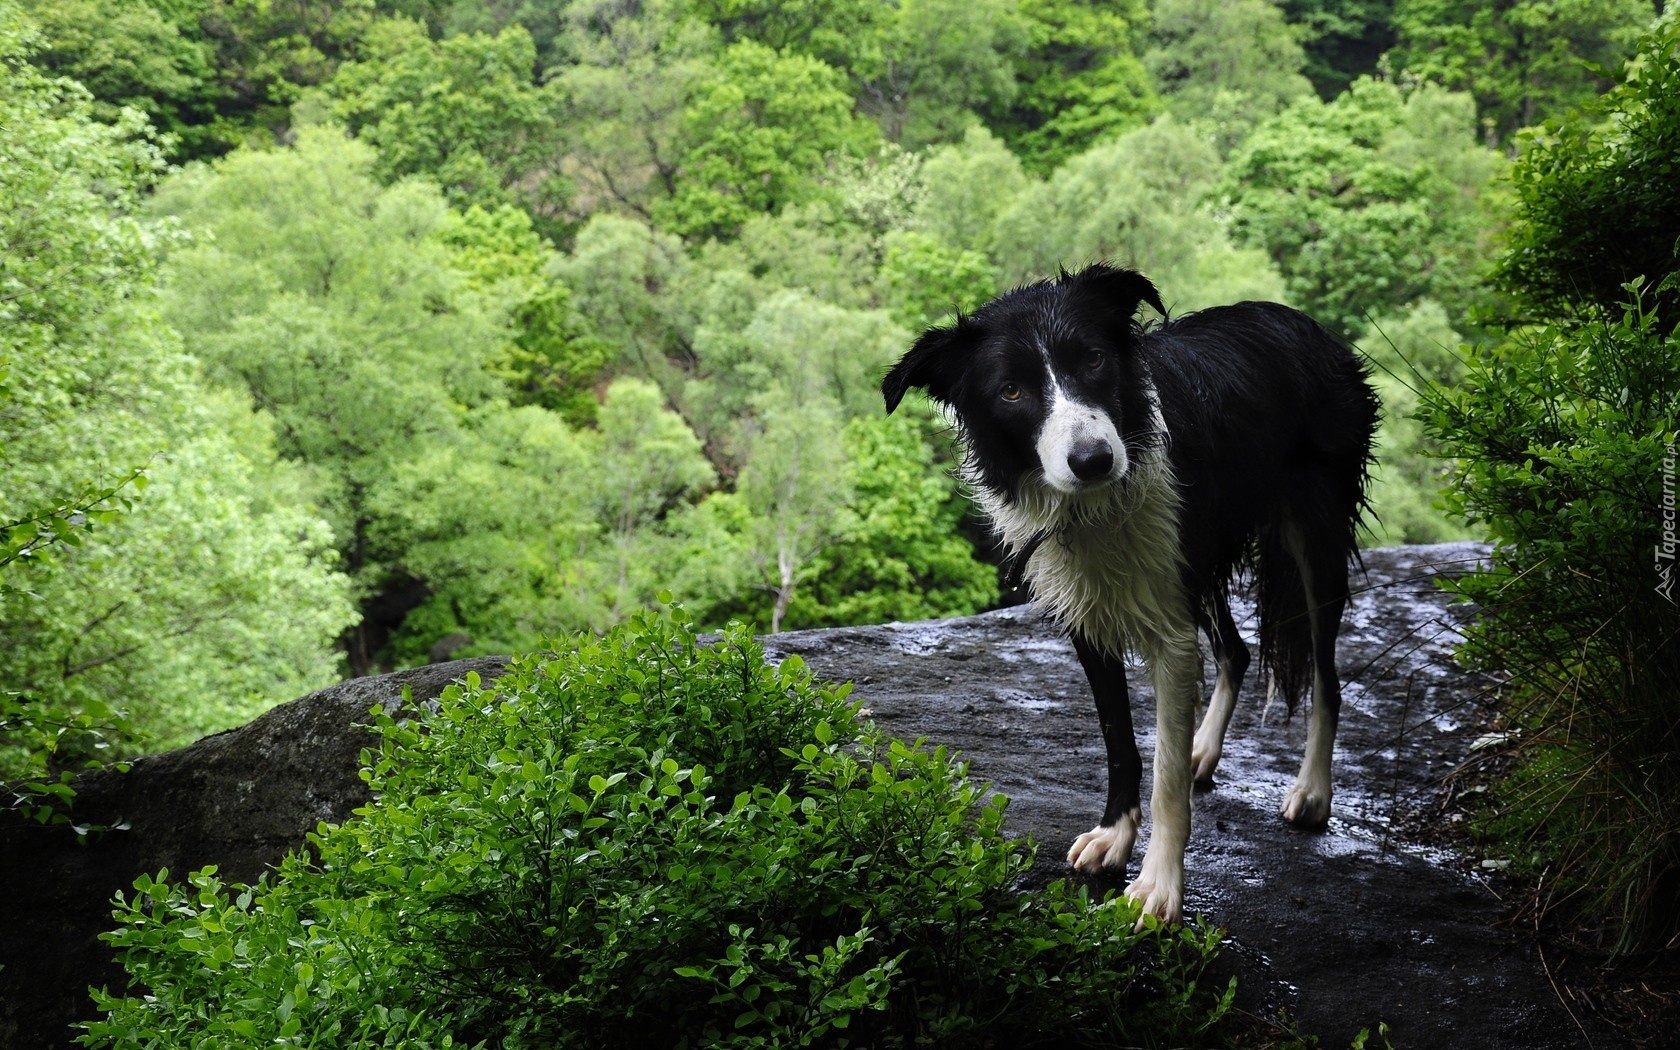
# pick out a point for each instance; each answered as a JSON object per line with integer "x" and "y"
{"x": 339, "y": 336}
{"x": 343, "y": 336}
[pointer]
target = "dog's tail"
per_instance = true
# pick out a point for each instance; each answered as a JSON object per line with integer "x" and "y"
{"x": 1286, "y": 648}
{"x": 1309, "y": 535}
{"x": 1302, "y": 558}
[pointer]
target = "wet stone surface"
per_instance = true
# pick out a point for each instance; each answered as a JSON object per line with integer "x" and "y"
{"x": 1342, "y": 928}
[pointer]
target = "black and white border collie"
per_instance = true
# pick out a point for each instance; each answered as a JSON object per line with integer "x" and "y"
{"x": 1132, "y": 473}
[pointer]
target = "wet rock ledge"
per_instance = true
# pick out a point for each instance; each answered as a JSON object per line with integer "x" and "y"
{"x": 1343, "y": 928}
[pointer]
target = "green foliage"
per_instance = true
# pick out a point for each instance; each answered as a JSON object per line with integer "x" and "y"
{"x": 621, "y": 273}
{"x": 1138, "y": 201}
{"x": 371, "y": 324}
{"x": 860, "y": 523}
{"x": 552, "y": 357}
{"x": 927, "y": 281}
{"x": 964, "y": 187}
{"x": 750, "y": 136}
{"x": 494, "y": 518}
{"x": 622, "y": 98}
{"x": 842, "y": 33}
{"x": 212, "y": 597}
{"x": 1369, "y": 202}
{"x": 268, "y": 51}
{"x": 329, "y": 302}
{"x": 210, "y": 73}
{"x": 1079, "y": 81}
{"x": 1567, "y": 436}
{"x": 464, "y": 110}
{"x": 544, "y": 20}
{"x": 1413, "y": 354}
{"x": 822, "y": 249}
{"x": 1595, "y": 197}
{"x": 129, "y": 53}
{"x": 811, "y": 352}
{"x": 1225, "y": 65}
{"x": 40, "y": 740}
{"x": 899, "y": 552}
{"x": 938, "y": 64}
{"x": 648, "y": 461}
{"x": 522, "y": 526}
{"x": 876, "y": 194}
{"x": 759, "y": 350}
{"x": 1343, "y": 39}
{"x": 1522, "y": 60}
{"x": 793, "y": 491}
{"x": 44, "y": 532}
{"x": 642, "y": 839}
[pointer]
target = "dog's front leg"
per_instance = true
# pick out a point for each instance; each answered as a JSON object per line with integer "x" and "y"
{"x": 1109, "y": 844}
{"x": 1176, "y": 670}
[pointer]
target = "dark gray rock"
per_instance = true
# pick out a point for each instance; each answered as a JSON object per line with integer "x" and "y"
{"x": 1342, "y": 928}
{"x": 239, "y": 800}
{"x": 1345, "y": 927}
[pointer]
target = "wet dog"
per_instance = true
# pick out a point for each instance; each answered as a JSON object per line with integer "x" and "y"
{"x": 1132, "y": 474}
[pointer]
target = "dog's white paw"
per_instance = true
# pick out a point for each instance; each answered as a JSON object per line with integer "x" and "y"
{"x": 1307, "y": 805}
{"x": 1106, "y": 847}
{"x": 1204, "y": 759}
{"x": 1160, "y": 889}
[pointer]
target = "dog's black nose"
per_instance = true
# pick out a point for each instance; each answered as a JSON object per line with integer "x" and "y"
{"x": 1091, "y": 460}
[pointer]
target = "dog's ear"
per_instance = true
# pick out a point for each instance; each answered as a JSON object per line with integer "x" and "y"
{"x": 928, "y": 364}
{"x": 1117, "y": 288}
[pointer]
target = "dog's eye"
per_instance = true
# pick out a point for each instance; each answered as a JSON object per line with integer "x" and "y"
{"x": 1094, "y": 360}
{"x": 1010, "y": 392}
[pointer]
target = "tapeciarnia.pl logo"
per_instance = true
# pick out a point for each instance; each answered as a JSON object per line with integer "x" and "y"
{"x": 1667, "y": 544}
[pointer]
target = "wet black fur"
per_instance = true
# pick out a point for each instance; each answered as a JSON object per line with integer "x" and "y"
{"x": 1269, "y": 423}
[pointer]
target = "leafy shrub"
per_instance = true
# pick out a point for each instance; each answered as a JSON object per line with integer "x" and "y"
{"x": 1564, "y": 434}
{"x": 1595, "y": 193}
{"x": 1567, "y": 434}
{"x": 647, "y": 840}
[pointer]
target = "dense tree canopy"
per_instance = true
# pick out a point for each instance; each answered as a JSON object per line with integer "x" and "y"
{"x": 1226, "y": 62}
{"x": 1595, "y": 200}
{"x": 464, "y": 110}
{"x": 328, "y": 300}
{"x": 1370, "y": 202}
{"x": 750, "y": 136}
{"x": 505, "y": 316}
{"x": 215, "y": 595}
{"x": 1080, "y": 79}
{"x": 1522, "y": 60}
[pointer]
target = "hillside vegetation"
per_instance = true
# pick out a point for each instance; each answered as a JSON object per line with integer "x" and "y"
{"x": 338, "y": 336}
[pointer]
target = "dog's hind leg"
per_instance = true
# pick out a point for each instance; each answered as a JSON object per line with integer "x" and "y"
{"x": 1109, "y": 844}
{"x": 1230, "y": 657}
{"x": 1323, "y": 567}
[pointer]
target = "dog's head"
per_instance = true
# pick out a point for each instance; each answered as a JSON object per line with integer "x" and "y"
{"x": 1044, "y": 381}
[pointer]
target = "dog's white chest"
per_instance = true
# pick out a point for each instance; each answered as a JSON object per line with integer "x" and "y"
{"x": 1110, "y": 564}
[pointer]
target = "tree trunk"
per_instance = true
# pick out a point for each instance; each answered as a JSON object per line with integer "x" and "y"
{"x": 785, "y": 562}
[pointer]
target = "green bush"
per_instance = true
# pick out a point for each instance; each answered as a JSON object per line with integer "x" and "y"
{"x": 1567, "y": 435}
{"x": 1564, "y": 435}
{"x": 1595, "y": 193}
{"x": 648, "y": 840}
